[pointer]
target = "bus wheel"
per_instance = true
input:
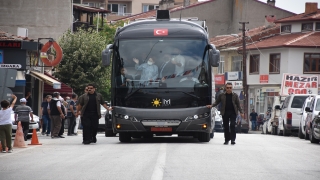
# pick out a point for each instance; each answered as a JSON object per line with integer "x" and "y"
{"x": 124, "y": 137}
{"x": 212, "y": 135}
{"x": 204, "y": 137}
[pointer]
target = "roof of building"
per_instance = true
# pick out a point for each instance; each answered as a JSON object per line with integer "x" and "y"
{"x": 89, "y": 9}
{"x": 226, "y": 41}
{"x": 4, "y": 36}
{"x": 315, "y": 16}
{"x": 152, "y": 13}
{"x": 301, "y": 39}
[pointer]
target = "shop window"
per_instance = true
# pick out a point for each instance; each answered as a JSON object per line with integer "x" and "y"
{"x": 236, "y": 63}
{"x": 274, "y": 64}
{"x": 221, "y": 65}
{"x": 311, "y": 63}
{"x": 307, "y": 27}
{"x": 286, "y": 28}
{"x": 254, "y": 64}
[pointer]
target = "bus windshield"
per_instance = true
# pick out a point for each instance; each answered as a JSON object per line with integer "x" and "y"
{"x": 161, "y": 66}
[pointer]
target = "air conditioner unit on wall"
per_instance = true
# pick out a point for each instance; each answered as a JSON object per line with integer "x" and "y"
{"x": 22, "y": 32}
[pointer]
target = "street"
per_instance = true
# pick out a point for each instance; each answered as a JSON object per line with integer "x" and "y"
{"x": 255, "y": 156}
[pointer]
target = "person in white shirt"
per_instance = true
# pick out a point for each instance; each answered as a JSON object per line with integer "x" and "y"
{"x": 179, "y": 61}
{"x": 6, "y": 124}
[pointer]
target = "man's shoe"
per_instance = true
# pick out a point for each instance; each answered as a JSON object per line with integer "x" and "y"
{"x": 233, "y": 143}
{"x": 43, "y": 133}
{"x": 9, "y": 150}
{"x": 226, "y": 143}
{"x": 4, "y": 151}
{"x": 47, "y": 134}
{"x": 60, "y": 136}
{"x": 86, "y": 142}
{"x": 94, "y": 140}
{"x": 54, "y": 137}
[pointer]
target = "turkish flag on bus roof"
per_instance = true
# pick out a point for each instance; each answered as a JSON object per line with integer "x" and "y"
{"x": 160, "y": 32}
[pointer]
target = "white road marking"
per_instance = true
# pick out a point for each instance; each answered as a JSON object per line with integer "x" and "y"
{"x": 160, "y": 163}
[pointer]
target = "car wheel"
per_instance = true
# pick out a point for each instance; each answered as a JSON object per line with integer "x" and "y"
{"x": 204, "y": 137}
{"x": 285, "y": 132}
{"x": 124, "y": 137}
{"x": 279, "y": 132}
{"x": 300, "y": 135}
{"x": 311, "y": 136}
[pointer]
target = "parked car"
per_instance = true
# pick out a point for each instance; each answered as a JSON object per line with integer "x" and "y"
{"x": 303, "y": 117}
{"x": 218, "y": 127}
{"x": 33, "y": 125}
{"x": 105, "y": 122}
{"x": 312, "y": 122}
{"x": 289, "y": 119}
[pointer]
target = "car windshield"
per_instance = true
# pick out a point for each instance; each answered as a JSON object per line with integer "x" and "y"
{"x": 318, "y": 105}
{"x": 298, "y": 101}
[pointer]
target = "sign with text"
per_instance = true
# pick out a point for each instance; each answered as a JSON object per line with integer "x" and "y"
{"x": 233, "y": 76}
{"x": 11, "y": 66}
{"x": 299, "y": 84}
{"x": 219, "y": 79}
{"x": 264, "y": 78}
{"x": 10, "y": 44}
{"x": 236, "y": 84}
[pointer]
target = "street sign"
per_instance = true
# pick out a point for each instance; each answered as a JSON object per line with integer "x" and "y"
{"x": 11, "y": 66}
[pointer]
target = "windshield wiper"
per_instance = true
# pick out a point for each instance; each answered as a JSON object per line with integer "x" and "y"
{"x": 129, "y": 95}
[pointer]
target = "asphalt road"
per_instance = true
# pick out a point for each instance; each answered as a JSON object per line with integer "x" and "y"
{"x": 255, "y": 156}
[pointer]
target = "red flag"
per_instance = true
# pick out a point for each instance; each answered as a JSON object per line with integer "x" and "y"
{"x": 160, "y": 32}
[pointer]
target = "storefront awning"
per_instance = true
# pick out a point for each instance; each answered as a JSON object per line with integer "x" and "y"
{"x": 46, "y": 79}
{"x": 64, "y": 91}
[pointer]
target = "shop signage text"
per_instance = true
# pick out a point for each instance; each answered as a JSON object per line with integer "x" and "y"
{"x": 10, "y": 44}
{"x": 236, "y": 84}
{"x": 219, "y": 79}
{"x": 299, "y": 84}
{"x": 236, "y": 75}
{"x": 264, "y": 78}
{"x": 11, "y": 66}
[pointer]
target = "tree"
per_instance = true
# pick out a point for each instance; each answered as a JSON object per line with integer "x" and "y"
{"x": 81, "y": 62}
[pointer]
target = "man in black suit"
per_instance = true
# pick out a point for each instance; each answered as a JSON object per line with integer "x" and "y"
{"x": 167, "y": 67}
{"x": 123, "y": 79}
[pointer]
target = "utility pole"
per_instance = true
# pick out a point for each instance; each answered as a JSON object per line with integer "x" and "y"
{"x": 244, "y": 70}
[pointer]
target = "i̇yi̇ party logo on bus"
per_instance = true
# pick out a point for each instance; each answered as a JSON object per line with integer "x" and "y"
{"x": 160, "y": 32}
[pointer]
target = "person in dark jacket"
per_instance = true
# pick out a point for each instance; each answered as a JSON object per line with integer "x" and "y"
{"x": 230, "y": 105}
{"x": 56, "y": 114}
{"x": 46, "y": 121}
{"x": 89, "y": 108}
{"x": 123, "y": 79}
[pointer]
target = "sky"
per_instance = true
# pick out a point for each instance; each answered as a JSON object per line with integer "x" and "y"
{"x": 295, "y": 6}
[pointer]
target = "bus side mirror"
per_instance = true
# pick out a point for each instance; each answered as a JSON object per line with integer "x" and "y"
{"x": 277, "y": 107}
{"x": 106, "y": 55}
{"x": 214, "y": 56}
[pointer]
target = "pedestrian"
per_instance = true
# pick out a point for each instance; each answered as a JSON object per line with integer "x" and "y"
{"x": 89, "y": 108}
{"x": 253, "y": 119}
{"x": 23, "y": 114}
{"x": 46, "y": 121}
{"x": 29, "y": 99}
{"x": 230, "y": 105}
{"x": 6, "y": 124}
{"x": 63, "y": 120}
{"x": 72, "y": 110}
{"x": 78, "y": 120}
{"x": 56, "y": 115}
{"x": 178, "y": 60}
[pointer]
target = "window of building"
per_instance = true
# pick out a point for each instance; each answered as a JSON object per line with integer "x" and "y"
{"x": 221, "y": 65}
{"x": 91, "y": 4}
{"x": 113, "y": 7}
{"x": 274, "y": 63}
{"x": 317, "y": 26}
{"x": 307, "y": 27}
{"x": 286, "y": 28}
{"x": 254, "y": 64}
{"x": 311, "y": 63}
{"x": 146, "y": 7}
{"x": 236, "y": 63}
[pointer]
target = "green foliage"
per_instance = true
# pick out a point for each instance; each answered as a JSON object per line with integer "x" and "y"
{"x": 81, "y": 62}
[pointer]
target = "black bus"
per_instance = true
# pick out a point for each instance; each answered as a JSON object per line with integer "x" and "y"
{"x": 161, "y": 78}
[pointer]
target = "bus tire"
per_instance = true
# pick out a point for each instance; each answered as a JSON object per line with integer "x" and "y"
{"x": 204, "y": 137}
{"x": 124, "y": 137}
{"x": 212, "y": 135}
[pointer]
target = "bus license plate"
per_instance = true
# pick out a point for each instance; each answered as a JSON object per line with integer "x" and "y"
{"x": 161, "y": 129}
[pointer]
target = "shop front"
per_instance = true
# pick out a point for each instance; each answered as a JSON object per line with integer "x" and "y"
{"x": 261, "y": 97}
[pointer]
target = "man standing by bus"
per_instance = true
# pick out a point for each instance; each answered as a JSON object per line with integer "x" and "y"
{"x": 230, "y": 105}
{"x": 89, "y": 108}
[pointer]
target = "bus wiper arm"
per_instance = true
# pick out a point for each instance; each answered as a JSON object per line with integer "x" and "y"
{"x": 129, "y": 95}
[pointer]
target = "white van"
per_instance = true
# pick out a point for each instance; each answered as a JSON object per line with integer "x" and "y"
{"x": 303, "y": 116}
{"x": 289, "y": 119}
